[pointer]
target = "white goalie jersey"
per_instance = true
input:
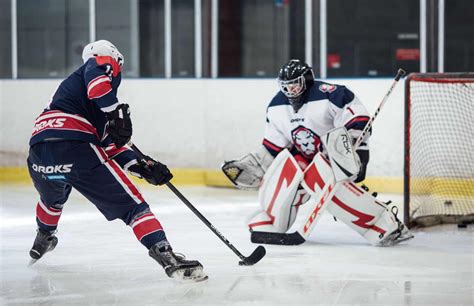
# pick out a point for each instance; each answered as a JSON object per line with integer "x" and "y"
{"x": 326, "y": 107}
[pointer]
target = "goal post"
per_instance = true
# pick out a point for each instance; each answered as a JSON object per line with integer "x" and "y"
{"x": 439, "y": 148}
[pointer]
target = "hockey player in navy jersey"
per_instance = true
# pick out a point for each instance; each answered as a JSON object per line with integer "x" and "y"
{"x": 296, "y": 165}
{"x": 80, "y": 141}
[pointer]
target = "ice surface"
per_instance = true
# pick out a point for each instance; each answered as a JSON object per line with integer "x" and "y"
{"x": 100, "y": 263}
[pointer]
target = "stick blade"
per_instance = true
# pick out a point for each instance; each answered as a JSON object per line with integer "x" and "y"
{"x": 254, "y": 257}
{"x": 277, "y": 238}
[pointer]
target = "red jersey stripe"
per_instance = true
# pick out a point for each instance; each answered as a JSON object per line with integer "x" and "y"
{"x": 119, "y": 174}
{"x": 112, "y": 150}
{"x": 99, "y": 87}
{"x": 63, "y": 121}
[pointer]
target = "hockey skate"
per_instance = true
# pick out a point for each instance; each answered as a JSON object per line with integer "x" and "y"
{"x": 400, "y": 234}
{"x": 44, "y": 242}
{"x": 176, "y": 266}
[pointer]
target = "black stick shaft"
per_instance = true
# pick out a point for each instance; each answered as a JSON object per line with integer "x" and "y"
{"x": 194, "y": 210}
{"x": 204, "y": 219}
{"x": 368, "y": 126}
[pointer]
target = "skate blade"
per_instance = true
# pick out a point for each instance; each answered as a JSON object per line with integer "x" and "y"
{"x": 401, "y": 239}
{"x": 196, "y": 276}
{"x": 32, "y": 262}
{"x": 200, "y": 278}
{"x": 397, "y": 241}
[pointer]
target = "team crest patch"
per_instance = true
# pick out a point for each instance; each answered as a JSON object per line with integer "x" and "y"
{"x": 327, "y": 87}
{"x": 306, "y": 141}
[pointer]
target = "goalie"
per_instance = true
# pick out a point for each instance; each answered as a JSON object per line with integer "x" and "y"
{"x": 308, "y": 157}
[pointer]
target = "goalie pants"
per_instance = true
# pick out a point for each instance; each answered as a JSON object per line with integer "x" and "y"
{"x": 58, "y": 166}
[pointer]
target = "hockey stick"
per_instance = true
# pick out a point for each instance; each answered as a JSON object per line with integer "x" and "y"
{"x": 257, "y": 254}
{"x": 400, "y": 73}
{"x": 296, "y": 237}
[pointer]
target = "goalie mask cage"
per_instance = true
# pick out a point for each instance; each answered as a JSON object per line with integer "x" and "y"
{"x": 439, "y": 148}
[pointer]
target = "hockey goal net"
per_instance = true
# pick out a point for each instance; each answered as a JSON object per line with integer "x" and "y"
{"x": 439, "y": 148}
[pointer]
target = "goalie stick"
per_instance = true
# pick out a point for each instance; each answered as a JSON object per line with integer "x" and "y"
{"x": 257, "y": 254}
{"x": 296, "y": 237}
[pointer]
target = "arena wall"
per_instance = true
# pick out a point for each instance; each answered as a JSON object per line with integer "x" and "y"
{"x": 195, "y": 124}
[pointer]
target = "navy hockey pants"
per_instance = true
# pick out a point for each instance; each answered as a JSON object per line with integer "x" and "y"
{"x": 58, "y": 166}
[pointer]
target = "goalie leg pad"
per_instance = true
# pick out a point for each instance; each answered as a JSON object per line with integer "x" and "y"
{"x": 318, "y": 175}
{"x": 279, "y": 190}
{"x": 320, "y": 184}
{"x": 363, "y": 213}
{"x": 262, "y": 222}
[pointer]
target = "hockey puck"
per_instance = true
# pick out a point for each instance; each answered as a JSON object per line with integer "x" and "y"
{"x": 462, "y": 225}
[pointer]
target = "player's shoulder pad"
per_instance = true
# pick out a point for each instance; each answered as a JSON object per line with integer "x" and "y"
{"x": 278, "y": 99}
{"x": 338, "y": 95}
{"x": 105, "y": 63}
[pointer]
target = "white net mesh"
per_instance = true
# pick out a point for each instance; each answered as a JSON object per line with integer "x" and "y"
{"x": 439, "y": 173}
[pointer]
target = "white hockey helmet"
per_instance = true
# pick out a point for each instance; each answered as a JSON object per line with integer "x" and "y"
{"x": 102, "y": 48}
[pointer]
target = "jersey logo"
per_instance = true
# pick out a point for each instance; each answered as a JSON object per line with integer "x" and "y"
{"x": 317, "y": 209}
{"x": 52, "y": 169}
{"x": 297, "y": 120}
{"x": 306, "y": 141}
{"x": 50, "y": 123}
{"x": 327, "y": 88}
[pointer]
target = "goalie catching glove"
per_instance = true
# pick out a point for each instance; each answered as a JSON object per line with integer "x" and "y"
{"x": 247, "y": 172}
{"x": 151, "y": 170}
{"x": 119, "y": 125}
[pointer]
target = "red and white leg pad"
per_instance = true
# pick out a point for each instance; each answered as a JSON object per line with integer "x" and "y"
{"x": 277, "y": 194}
{"x": 363, "y": 213}
{"x": 320, "y": 184}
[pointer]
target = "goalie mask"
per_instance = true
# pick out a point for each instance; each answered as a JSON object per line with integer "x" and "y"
{"x": 294, "y": 78}
{"x": 102, "y": 48}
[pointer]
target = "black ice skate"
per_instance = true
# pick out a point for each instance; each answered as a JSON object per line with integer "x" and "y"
{"x": 400, "y": 234}
{"x": 176, "y": 266}
{"x": 44, "y": 242}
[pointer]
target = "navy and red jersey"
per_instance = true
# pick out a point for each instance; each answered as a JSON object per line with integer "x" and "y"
{"x": 326, "y": 106}
{"x": 77, "y": 109}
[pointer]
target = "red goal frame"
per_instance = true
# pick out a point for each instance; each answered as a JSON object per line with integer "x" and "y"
{"x": 464, "y": 77}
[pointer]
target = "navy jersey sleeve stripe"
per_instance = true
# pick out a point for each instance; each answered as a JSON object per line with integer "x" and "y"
{"x": 341, "y": 96}
{"x": 272, "y": 148}
{"x": 357, "y": 123}
{"x": 279, "y": 99}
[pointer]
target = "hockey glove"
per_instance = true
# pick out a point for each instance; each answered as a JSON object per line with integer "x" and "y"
{"x": 120, "y": 125}
{"x": 152, "y": 171}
